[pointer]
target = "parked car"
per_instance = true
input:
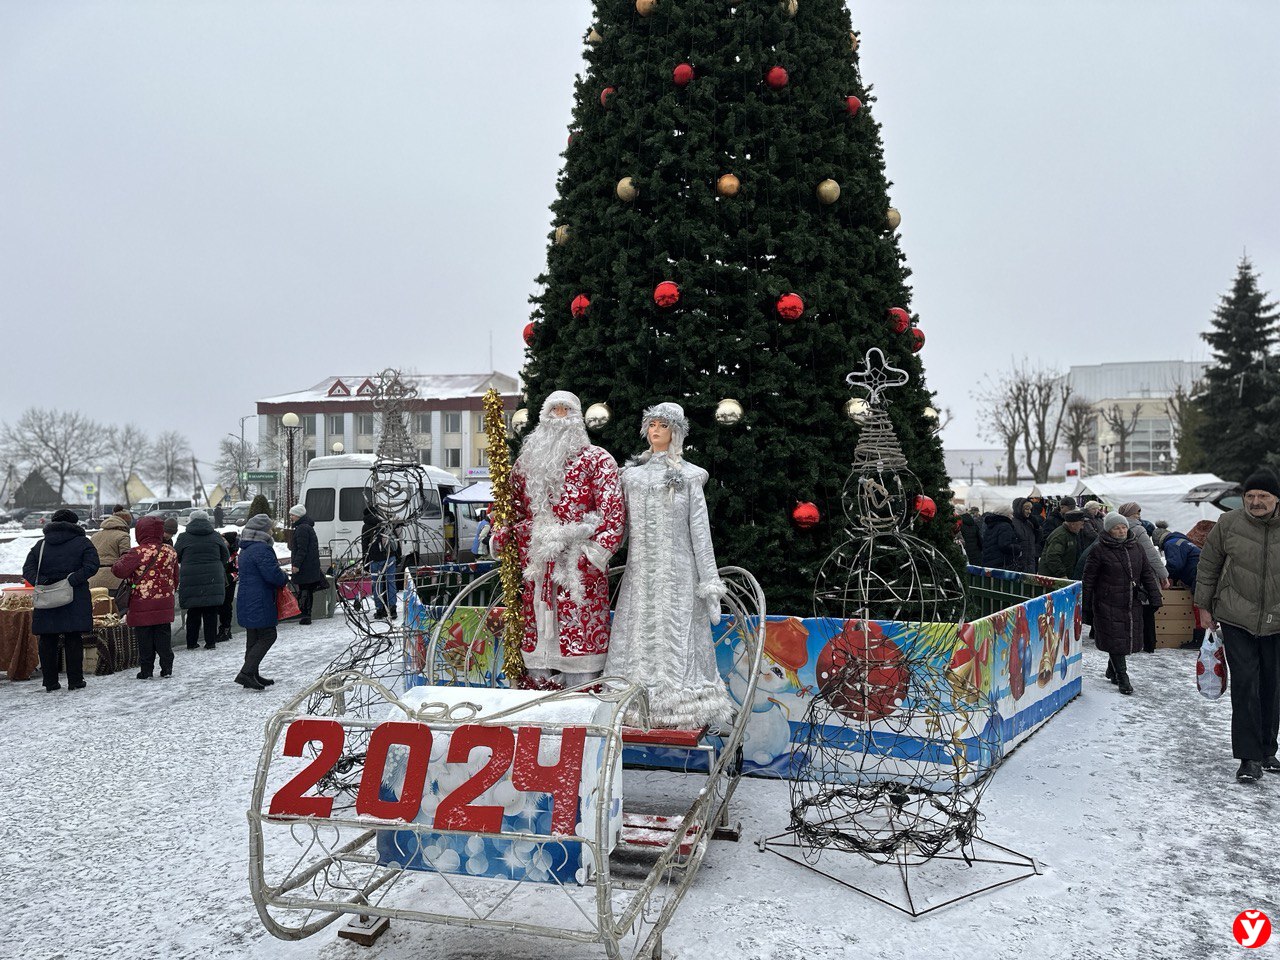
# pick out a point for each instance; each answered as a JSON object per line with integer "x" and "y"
{"x": 1223, "y": 495}
{"x": 156, "y": 507}
{"x": 236, "y": 516}
{"x": 36, "y": 520}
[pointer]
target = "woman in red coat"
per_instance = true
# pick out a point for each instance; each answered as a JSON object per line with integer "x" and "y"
{"x": 1118, "y": 578}
{"x": 152, "y": 568}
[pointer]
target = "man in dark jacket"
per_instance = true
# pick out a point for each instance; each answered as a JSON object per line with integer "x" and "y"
{"x": 63, "y": 553}
{"x": 307, "y": 575}
{"x": 219, "y": 518}
{"x": 202, "y": 578}
{"x": 1063, "y": 547}
{"x": 260, "y": 577}
{"x": 998, "y": 547}
{"x": 1238, "y": 583}
{"x": 381, "y": 549}
{"x": 1025, "y": 537}
{"x": 971, "y": 534}
{"x": 1057, "y": 517}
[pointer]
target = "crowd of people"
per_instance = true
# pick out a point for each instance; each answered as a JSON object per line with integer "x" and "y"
{"x": 1125, "y": 564}
{"x": 201, "y": 571}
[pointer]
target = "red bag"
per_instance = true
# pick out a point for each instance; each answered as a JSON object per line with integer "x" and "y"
{"x": 286, "y": 604}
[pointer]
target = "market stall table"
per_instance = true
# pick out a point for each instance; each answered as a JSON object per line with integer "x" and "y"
{"x": 19, "y": 648}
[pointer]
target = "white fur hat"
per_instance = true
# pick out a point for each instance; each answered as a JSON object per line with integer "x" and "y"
{"x": 673, "y": 414}
{"x": 557, "y": 398}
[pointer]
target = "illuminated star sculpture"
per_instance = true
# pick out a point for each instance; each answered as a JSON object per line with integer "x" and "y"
{"x": 877, "y": 376}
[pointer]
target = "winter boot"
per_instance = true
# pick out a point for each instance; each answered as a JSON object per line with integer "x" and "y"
{"x": 265, "y": 681}
{"x": 1271, "y": 764}
{"x": 1111, "y": 671}
{"x": 1122, "y": 674}
{"x": 249, "y": 682}
{"x": 1250, "y": 771}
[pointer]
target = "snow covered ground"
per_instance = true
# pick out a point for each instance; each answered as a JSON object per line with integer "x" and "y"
{"x": 125, "y": 834}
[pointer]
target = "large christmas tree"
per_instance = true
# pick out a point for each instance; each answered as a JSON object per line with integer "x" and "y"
{"x": 1237, "y": 406}
{"x": 723, "y": 230}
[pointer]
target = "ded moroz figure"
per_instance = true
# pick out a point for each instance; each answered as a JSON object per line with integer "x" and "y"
{"x": 670, "y": 592}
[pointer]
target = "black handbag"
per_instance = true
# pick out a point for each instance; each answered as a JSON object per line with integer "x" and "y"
{"x": 125, "y": 590}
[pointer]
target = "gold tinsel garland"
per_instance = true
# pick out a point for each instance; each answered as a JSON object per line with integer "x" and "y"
{"x": 502, "y": 516}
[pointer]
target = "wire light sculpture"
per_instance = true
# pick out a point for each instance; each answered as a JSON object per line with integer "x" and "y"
{"x": 898, "y": 747}
{"x": 390, "y": 399}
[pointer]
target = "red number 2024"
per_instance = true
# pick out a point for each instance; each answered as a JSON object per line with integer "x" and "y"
{"x": 456, "y": 810}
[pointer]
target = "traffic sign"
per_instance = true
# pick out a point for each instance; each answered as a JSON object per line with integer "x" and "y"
{"x": 261, "y": 476}
{"x": 90, "y": 489}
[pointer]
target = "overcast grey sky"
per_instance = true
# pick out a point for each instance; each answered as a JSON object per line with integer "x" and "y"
{"x": 203, "y": 203}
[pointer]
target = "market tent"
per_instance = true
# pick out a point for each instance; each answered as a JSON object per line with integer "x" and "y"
{"x": 1160, "y": 495}
{"x": 1046, "y": 489}
{"x": 987, "y": 495}
{"x": 479, "y": 492}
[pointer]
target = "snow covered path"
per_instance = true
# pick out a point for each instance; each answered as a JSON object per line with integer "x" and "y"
{"x": 125, "y": 834}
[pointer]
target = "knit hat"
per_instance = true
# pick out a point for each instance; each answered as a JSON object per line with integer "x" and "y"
{"x": 297, "y": 510}
{"x": 64, "y": 516}
{"x": 1130, "y": 509}
{"x": 1113, "y": 519}
{"x": 197, "y": 515}
{"x": 257, "y": 527}
{"x": 1161, "y": 535}
{"x": 1263, "y": 480}
{"x": 1067, "y": 502}
{"x": 171, "y": 525}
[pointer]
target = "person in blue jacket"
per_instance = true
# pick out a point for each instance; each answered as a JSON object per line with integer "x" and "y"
{"x": 63, "y": 553}
{"x": 1181, "y": 556}
{"x": 260, "y": 577}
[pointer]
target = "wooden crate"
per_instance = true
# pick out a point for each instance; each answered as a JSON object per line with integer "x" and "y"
{"x": 1175, "y": 621}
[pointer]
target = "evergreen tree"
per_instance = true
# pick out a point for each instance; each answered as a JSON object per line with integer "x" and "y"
{"x": 1236, "y": 409}
{"x": 735, "y": 125}
{"x": 260, "y": 504}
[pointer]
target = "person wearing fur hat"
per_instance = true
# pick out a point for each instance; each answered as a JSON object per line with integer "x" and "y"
{"x": 670, "y": 592}
{"x": 260, "y": 577}
{"x": 305, "y": 560}
{"x": 202, "y": 578}
{"x": 1118, "y": 580}
{"x": 569, "y": 517}
{"x": 1238, "y": 583}
{"x": 63, "y": 552}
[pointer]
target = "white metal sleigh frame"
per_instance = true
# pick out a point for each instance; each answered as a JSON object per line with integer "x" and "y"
{"x": 307, "y": 871}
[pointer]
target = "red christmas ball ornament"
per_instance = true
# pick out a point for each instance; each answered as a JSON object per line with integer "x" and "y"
{"x": 899, "y": 320}
{"x": 926, "y": 507}
{"x": 862, "y": 673}
{"x": 917, "y": 339}
{"x": 776, "y": 78}
{"x": 666, "y": 294}
{"x": 806, "y": 515}
{"x": 580, "y": 305}
{"x": 606, "y": 95}
{"x": 528, "y": 333}
{"x": 789, "y": 307}
{"x": 853, "y": 105}
{"x": 682, "y": 75}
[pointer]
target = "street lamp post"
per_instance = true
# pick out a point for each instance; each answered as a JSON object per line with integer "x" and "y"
{"x": 97, "y": 491}
{"x": 1106, "y": 455}
{"x": 290, "y": 424}
{"x": 337, "y": 447}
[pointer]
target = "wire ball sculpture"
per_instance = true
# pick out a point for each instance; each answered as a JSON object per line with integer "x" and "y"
{"x": 897, "y": 745}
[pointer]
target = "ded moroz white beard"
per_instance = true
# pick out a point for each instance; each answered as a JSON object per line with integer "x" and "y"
{"x": 546, "y": 453}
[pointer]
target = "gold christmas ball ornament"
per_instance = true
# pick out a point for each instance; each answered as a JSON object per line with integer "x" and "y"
{"x": 932, "y": 418}
{"x": 857, "y": 410}
{"x": 646, "y": 7}
{"x": 562, "y": 235}
{"x": 893, "y": 218}
{"x": 853, "y": 41}
{"x": 727, "y": 186}
{"x": 597, "y": 416}
{"x": 519, "y": 420}
{"x": 728, "y": 412}
{"x": 828, "y": 191}
{"x": 594, "y": 37}
{"x": 789, "y": 7}
{"x": 626, "y": 189}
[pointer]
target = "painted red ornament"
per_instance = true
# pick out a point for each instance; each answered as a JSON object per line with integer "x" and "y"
{"x": 917, "y": 339}
{"x": 899, "y": 320}
{"x": 806, "y": 515}
{"x": 528, "y": 333}
{"x": 666, "y": 294}
{"x": 776, "y": 78}
{"x": 926, "y": 507}
{"x": 606, "y": 95}
{"x": 682, "y": 75}
{"x": 853, "y": 105}
{"x": 862, "y": 673}
{"x": 580, "y": 305}
{"x": 789, "y": 307}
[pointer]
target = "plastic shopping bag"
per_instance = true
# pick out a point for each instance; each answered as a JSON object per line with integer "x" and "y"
{"x": 1211, "y": 667}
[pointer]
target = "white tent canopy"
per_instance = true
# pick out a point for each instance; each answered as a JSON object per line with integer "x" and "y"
{"x": 1159, "y": 495}
{"x": 479, "y": 492}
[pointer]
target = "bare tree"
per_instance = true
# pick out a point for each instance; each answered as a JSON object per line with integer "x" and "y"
{"x": 127, "y": 450}
{"x": 234, "y": 458}
{"x": 1122, "y": 426}
{"x": 1001, "y": 400}
{"x": 1040, "y": 402}
{"x": 1078, "y": 427}
{"x": 170, "y": 459}
{"x": 57, "y": 443}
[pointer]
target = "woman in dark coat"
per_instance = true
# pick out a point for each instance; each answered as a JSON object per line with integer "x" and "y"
{"x": 64, "y": 553}
{"x": 260, "y": 577}
{"x": 1117, "y": 578}
{"x": 202, "y": 578}
{"x": 1026, "y": 536}
{"x": 998, "y": 539}
{"x": 152, "y": 569}
{"x": 305, "y": 560}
